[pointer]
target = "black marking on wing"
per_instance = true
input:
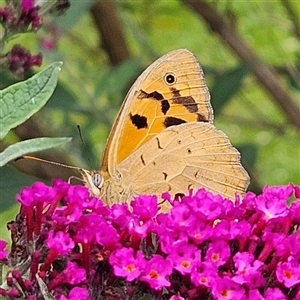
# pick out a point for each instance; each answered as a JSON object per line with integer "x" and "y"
{"x": 155, "y": 95}
{"x": 197, "y": 174}
{"x": 201, "y": 118}
{"x": 158, "y": 144}
{"x": 187, "y": 101}
{"x": 139, "y": 121}
{"x": 165, "y": 175}
{"x": 170, "y": 121}
{"x": 142, "y": 159}
{"x": 165, "y": 106}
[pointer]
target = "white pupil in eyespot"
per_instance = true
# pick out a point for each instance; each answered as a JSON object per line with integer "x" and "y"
{"x": 170, "y": 78}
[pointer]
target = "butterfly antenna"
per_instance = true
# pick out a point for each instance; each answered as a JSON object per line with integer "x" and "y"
{"x": 47, "y": 161}
{"x": 86, "y": 152}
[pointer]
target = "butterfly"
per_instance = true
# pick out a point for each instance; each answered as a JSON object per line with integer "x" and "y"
{"x": 164, "y": 140}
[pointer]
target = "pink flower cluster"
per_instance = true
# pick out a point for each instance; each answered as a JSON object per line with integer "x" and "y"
{"x": 22, "y": 16}
{"x": 20, "y": 60}
{"x": 68, "y": 244}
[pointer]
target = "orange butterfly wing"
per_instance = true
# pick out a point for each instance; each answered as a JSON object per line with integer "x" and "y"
{"x": 169, "y": 92}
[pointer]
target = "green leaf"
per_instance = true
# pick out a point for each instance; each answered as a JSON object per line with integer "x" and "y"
{"x": 20, "y": 101}
{"x": 226, "y": 85}
{"x": 16, "y": 150}
{"x": 12, "y": 181}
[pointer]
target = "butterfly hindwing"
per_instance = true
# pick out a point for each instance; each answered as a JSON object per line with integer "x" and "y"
{"x": 183, "y": 157}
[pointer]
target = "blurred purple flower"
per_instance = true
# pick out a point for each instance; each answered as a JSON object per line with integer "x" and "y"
{"x": 20, "y": 60}
{"x": 23, "y": 16}
{"x": 27, "y": 4}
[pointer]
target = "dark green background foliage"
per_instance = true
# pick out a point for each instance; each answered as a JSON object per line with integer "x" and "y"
{"x": 92, "y": 85}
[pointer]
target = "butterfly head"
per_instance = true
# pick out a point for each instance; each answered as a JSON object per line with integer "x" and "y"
{"x": 93, "y": 180}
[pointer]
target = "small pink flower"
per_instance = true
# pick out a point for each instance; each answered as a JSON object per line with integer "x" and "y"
{"x": 200, "y": 231}
{"x": 39, "y": 192}
{"x": 74, "y": 274}
{"x": 218, "y": 252}
{"x": 77, "y": 195}
{"x": 120, "y": 215}
{"x": 145, "y": 207}
{"x": 107, "y": 236}
{"x": 227, "y": 289}
{"x": 205, "y": 205}
{"x": 248, "y": 270}
{"x": 60, "y": 241}
{"x": 184, "y": 258}
{"x": 204, "y": 274}
{"x": 289, "y": 272}
{"x": 126, "y": 265}
{"x": 155, "y": 272}
{"x": 139, "y": 228}
{"x": 273, "y": 201}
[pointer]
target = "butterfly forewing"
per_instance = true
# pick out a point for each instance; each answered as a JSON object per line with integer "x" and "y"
{"x": 171, "y": 91}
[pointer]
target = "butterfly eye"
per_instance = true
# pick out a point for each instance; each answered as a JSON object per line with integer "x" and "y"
{"x": 170, "y": 78}
{"x": 97, "y": 180}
